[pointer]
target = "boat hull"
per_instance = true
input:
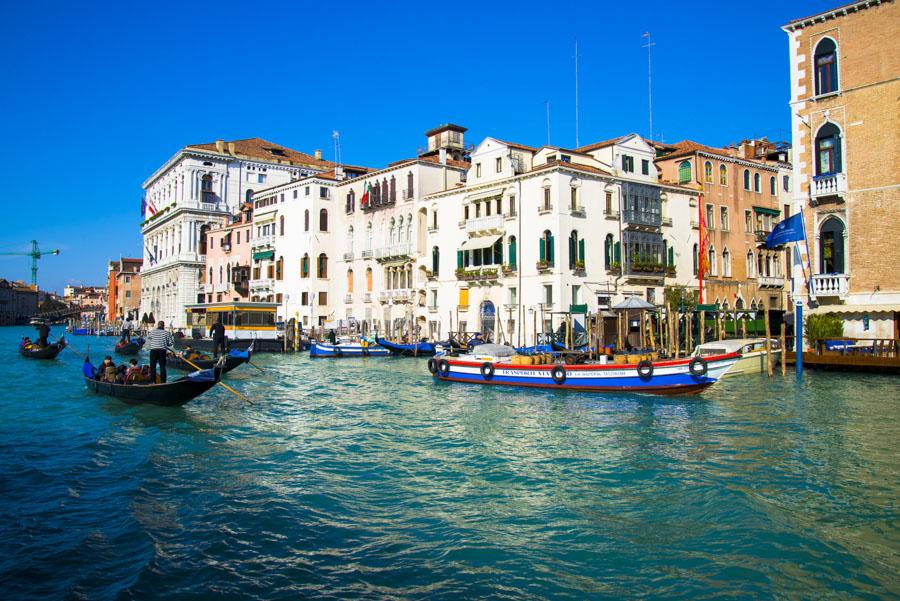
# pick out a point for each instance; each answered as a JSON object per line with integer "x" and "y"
{"x": 132, "y": 348}
{"x": 231, "y": 361}
{"x": 321, "y": 350}
{"x": 48, "y": 352}
{"x": 667, "y": 377}
{"x": 171, "y": 394}
{"x": 753, "y": 363}
{"x": 420, "y": 349}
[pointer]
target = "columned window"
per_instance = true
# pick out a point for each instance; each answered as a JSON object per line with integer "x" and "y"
{"x": 831, "y": 246}
{"x": 826, "y": 67}
{"x": 828, "y": 150}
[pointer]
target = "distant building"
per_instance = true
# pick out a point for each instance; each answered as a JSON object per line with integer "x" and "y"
{"x": 196, "y": 190}
{"x": 18, "y": 302}
{"x": 844, "y": 67}
{"x": 124, "y": 289}
{"x": 745, "y": 192}
{"x": 90, "y": 298}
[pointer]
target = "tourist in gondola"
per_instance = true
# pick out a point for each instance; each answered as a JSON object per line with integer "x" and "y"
{"x": 134, "y": 373}
{"x": 160, "y": 343}
{"x": 107, "y": 371}
{"x": 43, "y": 334}
{"x": 217, "y": 333}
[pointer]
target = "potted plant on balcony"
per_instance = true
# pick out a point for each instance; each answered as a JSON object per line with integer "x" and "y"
{"x": 543, "y": 265}
{"x": 615, "y": 268}
{"x": 579, "y": 267}
{"x": 670, "y": 270}
{"x": 508, "y": 269}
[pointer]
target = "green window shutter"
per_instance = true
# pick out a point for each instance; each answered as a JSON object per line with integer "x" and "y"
{"x": 550, "y": 250}
{"x": 459, "y": 259}
{"x": 671, "y": 257}
{"x": 581, "y": 250}
{"x": 543, "y": 249}
{"x": 618, "y": 252}
{"x": 572, "y": 251}
{"x": 512, "y": 253}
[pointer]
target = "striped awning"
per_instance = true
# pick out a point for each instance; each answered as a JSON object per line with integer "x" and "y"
{"x": 483, "y": 242}
{"x": 871, "y": 308}
{"x": 263, "y": 255}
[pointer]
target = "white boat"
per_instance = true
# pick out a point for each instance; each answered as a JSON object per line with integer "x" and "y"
{"x": 752, "y": 351}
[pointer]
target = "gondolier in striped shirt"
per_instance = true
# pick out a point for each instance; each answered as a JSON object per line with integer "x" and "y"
{"x": 160, "y": 342}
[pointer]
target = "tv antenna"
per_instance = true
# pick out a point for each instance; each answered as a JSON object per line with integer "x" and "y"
{"x": 648, "y": 46}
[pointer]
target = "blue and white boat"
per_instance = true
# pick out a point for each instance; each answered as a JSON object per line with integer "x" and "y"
{"x": 419, "y": 349}
{"x": 347, "y": 349}
{"x": 495, "y": 365}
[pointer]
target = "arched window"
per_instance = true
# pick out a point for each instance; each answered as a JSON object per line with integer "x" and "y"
{"x": 723, "y": 175}
{"x": 248, "y": 196}
{"x": 751, "y": 264}
{"x": 368, "y": 279}
{"x": 322, "y": 266}
{"x": 576, "y": 251}
{"x": 323, "y": 220}
{"x": 206, "y": 187}
{"x": 228, "y": 273}
{"x": 350, "y": 240}
{"x": 304, "y": 266}
{"x": 281, "y": 226}
{"x": 746, "y": 179}
{"x": 713, "y": 267}
{"x": 435, "y": 260}
{"x": 279, "y": 268}
{"x": 221, "y": 279}
{"x": 828, "y": 150}
{"x": 497, "y": 259}
{"x": 349, "y": 281}
{"x": 210, "y": 275}
{"x": 513, "y": 252}
{"x": 757, "y": 182}
{"x": 684, "y": 172}
{"x": 726, "y": 263}
{"x": 351, "y": 202}
{"x": 409, "y": 229}
{"x": 409, "y": 185}
{"x": 204, "y": 229}
{"x": 393, "y": 189}
{"x": 608, "y": 251}
{"x": 773, "y": 186}
{"x": 831, "y": 246}
{"x": 306, "y": 220}
{"x": 369, "y": 236}
{"x": 826, "y": 67}
{"x": 707, "y": 172}
{"x": 546, "y": 248}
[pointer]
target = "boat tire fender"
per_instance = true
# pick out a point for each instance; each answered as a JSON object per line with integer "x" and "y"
{"x": 558, "y": 373}
{"x": 443, "y": 367}
{"x": 645, "y": 369}
{"x": 338, "y": 351}
{"x": 698, "y": 366}
{"x": 487, "y": 370}
{"x": 432, "y": 366}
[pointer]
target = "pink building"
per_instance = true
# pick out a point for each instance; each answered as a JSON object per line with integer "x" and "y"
{"x": 226, "y": 277}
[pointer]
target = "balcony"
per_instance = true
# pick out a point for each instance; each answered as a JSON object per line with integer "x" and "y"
{"x": 667, "y": 222}
{"x": 485, "y": 225}
{"x": 761, "y": 236}
{"x": 226, "y": 247}
{"x": 348, "y": 298}
{"x": 825, "y": 186}
{"x": 544, "y": 209}
{"x": 648, "y": 219}
{"x": 695, "y": 224}
{"x": 398, "y": 295}
{"x": 433, "y": 308}
{"x": 577, "y": 211}
{"x": 267, "y": 240}
{"x": 611, "y": 214}
{"x": 366, "y": 254}
{"x": 478, "y": 275}
{"x": 408, "y": 193}
{"x": 543, "y": 266}
{"x": 367, "y": 297}
{"x": 765, "y": 281}
{"x": 395, "y": 251}
{"x": 262, "y": 284}
{"x": 831, "y": 284}
{"x": 348, "y": 256}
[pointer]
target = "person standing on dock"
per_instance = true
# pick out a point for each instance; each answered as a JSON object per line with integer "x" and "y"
{"x": 43, "y": 334}
{"x": 160, "y": 342}
{"x": 217, "y": 333}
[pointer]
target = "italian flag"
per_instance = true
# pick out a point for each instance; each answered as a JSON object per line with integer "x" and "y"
{"x": 365, "y": 197}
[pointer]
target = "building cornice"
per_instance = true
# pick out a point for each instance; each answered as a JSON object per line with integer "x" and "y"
{"x": 840, "y": 11}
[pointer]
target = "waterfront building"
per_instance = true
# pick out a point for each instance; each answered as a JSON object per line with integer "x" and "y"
{"x": 744, "y": 193}
{"x": 228, "y": 259}
{"x": 90, "y": 298}
{"x": 197, "y": 189}
{"x": 123, "y": 289}
{"x": 844, "y": 66}
{"x": 18, "y": 302}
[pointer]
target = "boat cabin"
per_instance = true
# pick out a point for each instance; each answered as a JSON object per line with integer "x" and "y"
{"x": 242, "y": 320}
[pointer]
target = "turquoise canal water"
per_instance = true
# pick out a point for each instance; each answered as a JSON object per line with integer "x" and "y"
{"x": 361, "y": 478}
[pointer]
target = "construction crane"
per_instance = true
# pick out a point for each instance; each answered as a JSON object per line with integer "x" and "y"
{"x": 35, "y": 254}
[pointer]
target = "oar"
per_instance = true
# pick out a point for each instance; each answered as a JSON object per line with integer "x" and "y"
{"x": 255, "y": 365}
{"x": 220, "y": 382}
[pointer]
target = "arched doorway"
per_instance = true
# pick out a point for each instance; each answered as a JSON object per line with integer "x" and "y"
{"x": 831, "y": 246}
{"x": 488, "y": 320}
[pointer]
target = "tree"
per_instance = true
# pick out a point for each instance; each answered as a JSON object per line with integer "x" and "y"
{"x": 51, "y": 304}
{"x": 678, "y": 295}
{"x": 823, "y": 325}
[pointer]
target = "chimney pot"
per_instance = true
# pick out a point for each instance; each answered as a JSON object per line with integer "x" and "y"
{"x": 231, "y": 148}
{"x": 319, "y": 154}
{"x": 220, "y": 145}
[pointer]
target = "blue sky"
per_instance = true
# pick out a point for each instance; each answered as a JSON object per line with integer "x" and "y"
{"x": 96, "y": 96}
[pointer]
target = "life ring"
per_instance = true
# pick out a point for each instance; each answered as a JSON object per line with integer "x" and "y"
{"x": 338, "y": 351}
{"x": 645, "y": 369}
{"x": 487, "y": 370}
{"x": 558, "y": 373}
{"x": 443, "y": 367}
{"x": 698, "y": 366}
{"x": 432, "y": 366}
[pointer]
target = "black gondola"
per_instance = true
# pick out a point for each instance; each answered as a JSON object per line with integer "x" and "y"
{"x": 171, "y": 394}
{"x": 132, "y": 347}
{"x": 48, "y": 352}
{"x": 233, "y": 358}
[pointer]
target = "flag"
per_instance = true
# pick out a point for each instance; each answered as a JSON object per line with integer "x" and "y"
{"x": 144, "y": 205}
{"x": 703, "y": 251}
{"x": 364, "y": 200}
{"x": 150, "y": 255}
{"x": 789, "y": 230}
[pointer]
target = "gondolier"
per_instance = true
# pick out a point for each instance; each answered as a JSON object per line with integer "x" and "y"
{"x": 160, "y": 341}
{"x": 43, "y": 334}
{"x": 217, "y": 333}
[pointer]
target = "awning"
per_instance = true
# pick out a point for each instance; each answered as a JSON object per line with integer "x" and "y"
{"x": 484, "y": 194}
{"x": 873, "y": 308}
{"x": 263, "y": 255}
{"x": 483, "y": 242}
{"x": 767, "y": 211}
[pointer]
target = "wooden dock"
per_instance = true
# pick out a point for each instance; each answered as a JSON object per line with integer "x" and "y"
{"x": 856, "y": 354}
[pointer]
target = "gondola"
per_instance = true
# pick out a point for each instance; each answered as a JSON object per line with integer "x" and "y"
{"x": 48, "y": 352}
{"x": 419, "y": 349}
{"x": 233, "y": 358}
{"x": 132, "y": 347}
{"x": 171, "y": 394}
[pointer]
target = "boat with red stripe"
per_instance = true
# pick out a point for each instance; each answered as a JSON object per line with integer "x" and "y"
{"x": 494, "y": 366}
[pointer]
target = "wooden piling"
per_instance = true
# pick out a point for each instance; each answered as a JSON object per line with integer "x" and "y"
{"x": 768, "y": 344}
{"x": 783, "y": 347}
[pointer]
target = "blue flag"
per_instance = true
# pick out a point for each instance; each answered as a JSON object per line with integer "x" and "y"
{"x": 789, "y": 230}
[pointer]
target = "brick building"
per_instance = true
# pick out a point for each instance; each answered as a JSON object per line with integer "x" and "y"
{"x": 124, "y": 289}
{"x": 744, "y": 192}
{"x": 18, "y": 302}
{"x": 844, "y": 67}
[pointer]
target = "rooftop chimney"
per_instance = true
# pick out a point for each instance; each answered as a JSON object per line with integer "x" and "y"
{"x": 220, "y": 145}
{"x": 318, "y": 154}
{"x": 231, "y": 148}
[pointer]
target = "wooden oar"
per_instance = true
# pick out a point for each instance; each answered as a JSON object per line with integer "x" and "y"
{"x": 255, "y": 365}
{"x": 220, "y": 382}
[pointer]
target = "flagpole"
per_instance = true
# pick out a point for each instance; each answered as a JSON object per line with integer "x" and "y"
{"x": 700, "y": 245}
